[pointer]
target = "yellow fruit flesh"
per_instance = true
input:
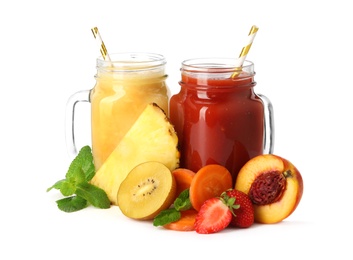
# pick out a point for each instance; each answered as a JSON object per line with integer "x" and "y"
{"x": 147, "y": 190}
{"x": 151, "y": 138}
{"x": 117, "y": 101}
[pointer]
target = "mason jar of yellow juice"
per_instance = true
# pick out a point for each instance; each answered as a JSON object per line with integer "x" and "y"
{"x": 124, "y": 86}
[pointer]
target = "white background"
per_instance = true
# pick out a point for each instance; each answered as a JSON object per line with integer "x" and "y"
{"x": 303, "y": 59}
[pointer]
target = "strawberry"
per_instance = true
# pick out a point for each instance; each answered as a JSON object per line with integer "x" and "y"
{"x": 213, "y": 216}
{"x": 243, "y": 216}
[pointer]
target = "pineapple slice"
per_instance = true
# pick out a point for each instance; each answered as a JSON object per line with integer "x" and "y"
{"x": 151, "y": 138}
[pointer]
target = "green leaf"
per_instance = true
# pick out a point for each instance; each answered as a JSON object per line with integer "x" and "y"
{"x": 166, "y": 216}
{"x": 82, "y": 167}
{"x": 182, "y": 202}
{"x": 94, "y": 195}
{"x": 230, "y": 202}
{"x": 71, "y": 204}
{"x": 67, "y": 188}
{"x": 56, "y": 185}
{"x": 80, "y": 172}
{"x": 76, "y": 177}
{"x": 87, "y": 164}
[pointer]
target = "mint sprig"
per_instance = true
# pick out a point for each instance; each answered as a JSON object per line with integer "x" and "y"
{"x": 76, "y": 188}
{"x": 181, "y": 203}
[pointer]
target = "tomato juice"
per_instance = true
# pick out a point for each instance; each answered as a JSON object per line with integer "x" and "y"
{"x": 218, "y": 119}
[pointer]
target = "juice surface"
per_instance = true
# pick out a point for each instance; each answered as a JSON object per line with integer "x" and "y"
{"x": 217, "y": 121}
{"x": 117, "y": 101}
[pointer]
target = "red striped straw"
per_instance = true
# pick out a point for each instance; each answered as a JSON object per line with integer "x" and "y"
{"x": 245, "y": 51}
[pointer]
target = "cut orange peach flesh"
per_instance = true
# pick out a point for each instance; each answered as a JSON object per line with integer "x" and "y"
{"x": 285, "y": 200}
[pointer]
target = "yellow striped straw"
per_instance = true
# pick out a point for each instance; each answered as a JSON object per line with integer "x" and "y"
{"x": 101, "y": 44}
{"x": 245, "y": 51}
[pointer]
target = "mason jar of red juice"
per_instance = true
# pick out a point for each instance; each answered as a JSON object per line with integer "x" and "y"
{"x": 218, "y": 117}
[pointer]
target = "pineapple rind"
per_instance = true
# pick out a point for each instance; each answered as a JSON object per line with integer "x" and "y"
{"x": 151, "y": 138}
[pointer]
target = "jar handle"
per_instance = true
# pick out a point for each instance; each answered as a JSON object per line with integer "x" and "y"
{"x": 269, "y": 133}
{"x": 80, "y": 96}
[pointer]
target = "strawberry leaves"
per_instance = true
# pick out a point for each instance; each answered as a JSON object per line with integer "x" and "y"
{"x": 229, "y": 202}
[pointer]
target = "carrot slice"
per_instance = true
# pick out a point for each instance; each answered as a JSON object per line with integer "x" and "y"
{"x": 183, "y": 178}
{"x": 210, "y": 181}
{"x": 185, "y": 223}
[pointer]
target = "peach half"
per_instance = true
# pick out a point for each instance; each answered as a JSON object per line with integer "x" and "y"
{"x": 274, "y": 185}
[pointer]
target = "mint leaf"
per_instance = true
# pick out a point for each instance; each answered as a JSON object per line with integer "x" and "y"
{"x": 182, "y": 202}
{"x": 88, "y": 165}
{"x": 94, "y": 195}
{"x": 71, "y": 204}
{"x": 76, "y": 177}
{"x": 80, "y": 172}
{"x": 56, "y": 185}
{"x": 67, "y": 188}
{"x": 166, "y": 216}
{"x": 82, "y": 167}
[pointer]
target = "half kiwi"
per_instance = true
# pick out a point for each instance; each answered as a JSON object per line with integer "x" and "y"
{"x": 149, "y": 188}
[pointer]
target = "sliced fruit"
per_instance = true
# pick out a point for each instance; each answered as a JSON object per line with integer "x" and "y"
{"x": 209, "y": 182}
{"x": 213, "y": 216}
{"x": 243, "y": 216}
{"x": 148, "y": 189}
{"x": 274, "y": 185}
{"x": 185, "y": 223}
{"x": 183, "y": 179}
{"x": 151, "y": 138}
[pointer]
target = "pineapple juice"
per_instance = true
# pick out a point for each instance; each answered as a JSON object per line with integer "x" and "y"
{"x": 121, "y": 93}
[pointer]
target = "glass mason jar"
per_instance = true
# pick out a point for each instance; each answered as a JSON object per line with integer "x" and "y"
{"x": 124, "y": 86}
{"x": 219, "y": 119}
